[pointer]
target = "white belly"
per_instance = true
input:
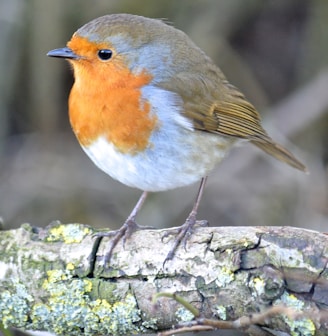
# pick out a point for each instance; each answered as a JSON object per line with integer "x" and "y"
{"x": 176, "y": 156}
{"x": 165, "y": 166}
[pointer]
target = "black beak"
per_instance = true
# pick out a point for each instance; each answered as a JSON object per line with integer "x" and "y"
{"x": 63, "y": 53}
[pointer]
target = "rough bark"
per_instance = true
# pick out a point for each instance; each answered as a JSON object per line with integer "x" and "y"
{"x": 54, "y": 279}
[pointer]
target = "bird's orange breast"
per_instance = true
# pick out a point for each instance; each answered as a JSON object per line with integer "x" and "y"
{"x": 106, "y": 101}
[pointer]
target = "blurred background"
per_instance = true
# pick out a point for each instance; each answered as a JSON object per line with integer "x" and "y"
{"x": 274, "y": 51}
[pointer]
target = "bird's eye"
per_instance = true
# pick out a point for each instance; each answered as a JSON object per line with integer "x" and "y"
{"x": 105, "y": 54}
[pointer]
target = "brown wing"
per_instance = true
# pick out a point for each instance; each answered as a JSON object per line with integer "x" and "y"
{"x": 216, "y": 106}
{"x": 237, "y": 117}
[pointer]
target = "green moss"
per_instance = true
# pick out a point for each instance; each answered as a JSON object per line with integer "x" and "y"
{"x": 150, "y": 324}
{"x": 221, "y": 312}
{"x": 184, "y": 315}
{"x": 15, "y": 303}
{"x": 69, "y": 309}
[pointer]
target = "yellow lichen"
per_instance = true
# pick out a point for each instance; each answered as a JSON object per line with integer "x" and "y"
{"x": 70, "y": 309}
{"x": 87, "y": 285}
{"x": 224, "y": 276}
{"x": 70, "y": 266}
{"x": 67, "y": 307}
{"x": 299, "y": 326}
{"x": 68, "y": 233}
{"x": 258, "y": 285}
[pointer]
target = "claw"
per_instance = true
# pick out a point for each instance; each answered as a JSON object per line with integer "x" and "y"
{"x": 185, "y": 230}
{"x": 125, "y": 232}
{"x": 126, "y": 229}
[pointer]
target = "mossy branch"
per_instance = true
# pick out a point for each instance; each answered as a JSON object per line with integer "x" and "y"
{"x": 54, "y": 279}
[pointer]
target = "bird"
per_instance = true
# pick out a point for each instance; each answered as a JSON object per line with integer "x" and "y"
{"x": 154, "y": 112}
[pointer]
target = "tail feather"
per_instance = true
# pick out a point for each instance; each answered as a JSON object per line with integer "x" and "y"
{"x": 280, "y": 153}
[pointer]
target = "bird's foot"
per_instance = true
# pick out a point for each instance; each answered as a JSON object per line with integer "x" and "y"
{"x": 182, "y": 234}
{"x": 127, "y": 229}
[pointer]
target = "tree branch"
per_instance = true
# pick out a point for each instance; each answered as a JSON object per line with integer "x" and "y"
{"x": 54, "y": 279}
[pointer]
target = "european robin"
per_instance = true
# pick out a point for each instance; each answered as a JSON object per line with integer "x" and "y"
{"x": 153, "y": 111}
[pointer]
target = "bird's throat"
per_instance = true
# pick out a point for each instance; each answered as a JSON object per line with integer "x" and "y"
{"x": 116, "y": 112}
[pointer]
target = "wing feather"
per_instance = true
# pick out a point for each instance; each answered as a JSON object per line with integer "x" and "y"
{"x": 214, "y": 105}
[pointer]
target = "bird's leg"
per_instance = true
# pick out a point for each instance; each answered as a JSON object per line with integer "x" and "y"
{"x": 185, "y": 230}
{"x": 126, "y": 229}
